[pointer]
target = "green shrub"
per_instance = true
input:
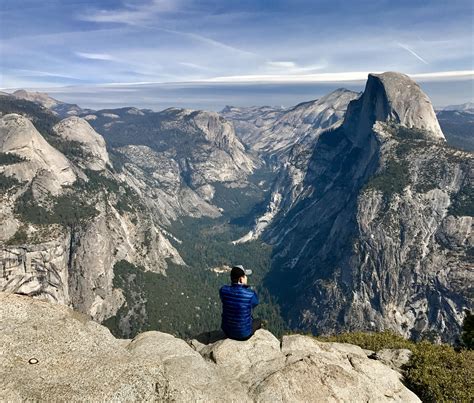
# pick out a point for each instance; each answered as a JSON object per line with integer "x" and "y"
{"x": 408, "y": 133}
{"x": 371, "y": 341}
{"x": 7, "y": 182}
{"x": 9, "y": 158}
{"x": 467, "y": 335}
{"x": 69, "y": 210}
{"x": 394, "y": 177}
{"x": 20, "y": 237}
{"x": 127, "y": 199}
{"x": 70, "y": 148}
{"x": 66, "y": 210}
{"x": 438, "y": 373}
{"x": 463, "y": 204}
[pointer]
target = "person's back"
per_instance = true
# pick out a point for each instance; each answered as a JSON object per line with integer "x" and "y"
{"x": 237, "y": 303}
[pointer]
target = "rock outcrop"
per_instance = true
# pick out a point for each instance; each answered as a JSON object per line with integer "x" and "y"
{"x": 49, "y": 352}
{"x": 396, "y": 98}
{"x": 374, "y": 225}
{"x": 40, "y": 98}
{"x": 93, "y": 144}
{"x": 48, "y": 167}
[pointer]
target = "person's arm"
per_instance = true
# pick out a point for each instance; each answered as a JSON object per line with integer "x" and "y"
{"x": 254, "y": 300}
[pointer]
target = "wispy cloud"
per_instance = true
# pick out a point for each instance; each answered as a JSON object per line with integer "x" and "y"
{"x": 195, "y": 66}
{"x": 290, "y": 67}
{"x": 132, "y": 14}
{"x": 331, "y": 77}
{"x": 442, "y": 75}
{"x": 410, "y": 50}
{"x": 285, "y": 65}
{"x": 39, "y": 73}
{"x": 209, "y": 41}
{"x": 96, "y": 56}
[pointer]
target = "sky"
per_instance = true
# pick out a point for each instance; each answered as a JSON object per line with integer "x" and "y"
{"x": 209, "y": 53}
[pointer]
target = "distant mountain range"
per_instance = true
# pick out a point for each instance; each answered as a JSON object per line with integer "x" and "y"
{"x": 62, "y": 109}
{"x": 272, "y": 133}
{"x": 458, "y": 127}
{"x": 468, "y": 106}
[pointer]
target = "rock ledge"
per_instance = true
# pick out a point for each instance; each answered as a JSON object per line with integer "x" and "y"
{"x": 49, "y": 352}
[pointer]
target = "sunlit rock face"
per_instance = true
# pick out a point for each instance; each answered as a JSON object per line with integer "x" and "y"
{"x": 392, "y": 97}
{"x": 93, "y": 144}
{"x": 41, "y": 162}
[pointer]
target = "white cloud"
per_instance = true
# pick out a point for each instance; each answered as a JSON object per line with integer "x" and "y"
{"x": 195, "y": 66}
{"x": 132, "y": 14}
{"x": 333, "y": 77}
{"x": 289, "y": 67}
{"x": 285, "y": 65}
{"x": 38, "y": 73}
{"x": 441, "y": 75}
{"x": 95, "y": 56}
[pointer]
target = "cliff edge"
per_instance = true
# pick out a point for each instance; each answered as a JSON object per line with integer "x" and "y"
{"x": 50, "y": 352}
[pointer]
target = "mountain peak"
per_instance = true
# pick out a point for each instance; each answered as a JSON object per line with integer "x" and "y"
{"x": 79, "y": 130}
{"x": 39, "y": 97}
{"x": 393, "y": 97}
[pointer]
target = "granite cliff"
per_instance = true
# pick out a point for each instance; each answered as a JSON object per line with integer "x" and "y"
{"x": 374, "y": 226}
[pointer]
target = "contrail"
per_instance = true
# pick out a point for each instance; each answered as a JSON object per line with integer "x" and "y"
{"x": 412, "y": 52}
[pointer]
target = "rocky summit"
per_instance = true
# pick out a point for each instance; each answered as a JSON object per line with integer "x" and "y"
{"x": 51, "y": 353}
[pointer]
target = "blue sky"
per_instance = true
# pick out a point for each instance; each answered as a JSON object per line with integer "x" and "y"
{"x": 87, "y": 45}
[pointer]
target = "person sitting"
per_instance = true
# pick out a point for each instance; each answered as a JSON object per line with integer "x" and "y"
{"x": 238, "y": 300}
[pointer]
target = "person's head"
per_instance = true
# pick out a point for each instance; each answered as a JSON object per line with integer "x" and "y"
{"x": 239, "y": 275}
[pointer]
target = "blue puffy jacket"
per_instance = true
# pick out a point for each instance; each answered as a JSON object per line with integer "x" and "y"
{"x": 237, "y": 303}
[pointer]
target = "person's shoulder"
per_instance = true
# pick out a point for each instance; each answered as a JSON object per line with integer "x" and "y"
{"x": 225, "y": 287}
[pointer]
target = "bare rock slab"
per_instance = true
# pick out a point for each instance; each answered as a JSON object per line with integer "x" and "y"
{"x": 49, "y": 352}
